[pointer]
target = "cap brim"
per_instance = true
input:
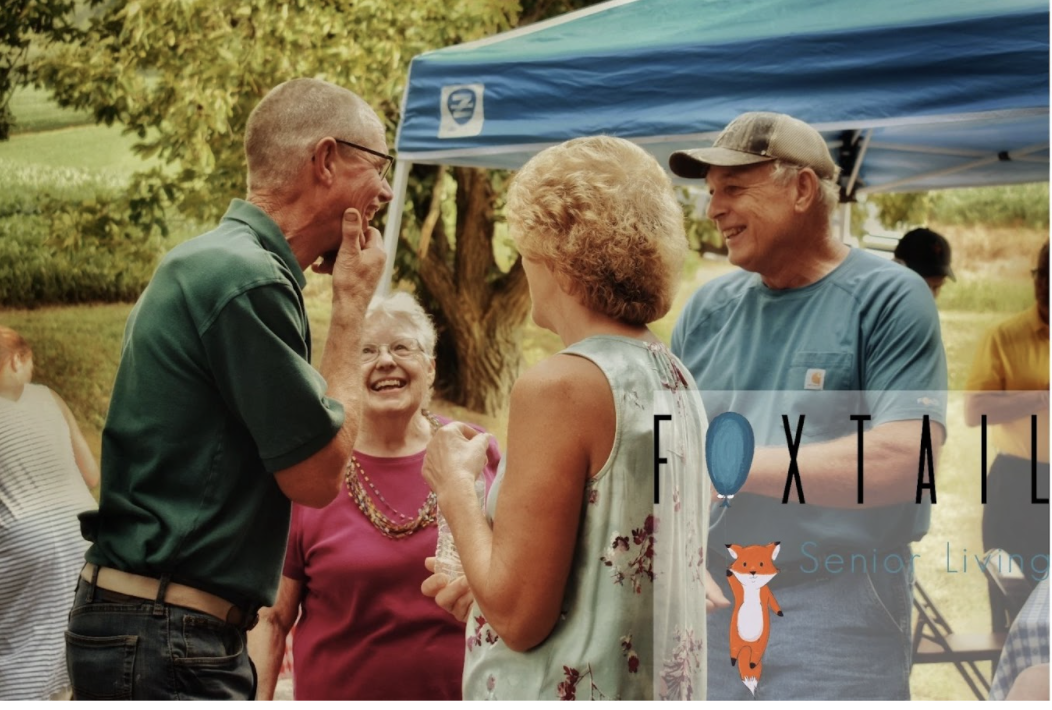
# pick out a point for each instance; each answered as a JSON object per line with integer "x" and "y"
{"x": 696, "y": 163}
{"x": 928, "y": 271}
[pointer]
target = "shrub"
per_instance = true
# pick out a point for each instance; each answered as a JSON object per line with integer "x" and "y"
{"x": 986, "y": 295}
{"x": 1003, "y": 206}
{"x": 74, "y": 236}
{"x": 34, "y": 273}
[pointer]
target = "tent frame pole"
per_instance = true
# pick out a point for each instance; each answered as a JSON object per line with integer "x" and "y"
{"x": 394, "y": 223}
{"x": 845, "y": 221}
{"x": 853, "y": 178}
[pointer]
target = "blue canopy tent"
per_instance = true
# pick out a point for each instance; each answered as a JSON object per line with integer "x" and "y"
{"x": 910, "y": 95}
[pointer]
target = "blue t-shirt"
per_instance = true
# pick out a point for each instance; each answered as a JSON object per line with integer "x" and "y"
{"x": 864, "y": 339}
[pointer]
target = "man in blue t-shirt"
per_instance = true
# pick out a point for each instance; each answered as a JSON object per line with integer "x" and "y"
{"x": 807, "y": 334}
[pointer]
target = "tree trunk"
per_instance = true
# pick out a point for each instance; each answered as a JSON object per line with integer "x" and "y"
{"x": 482, "y": 310}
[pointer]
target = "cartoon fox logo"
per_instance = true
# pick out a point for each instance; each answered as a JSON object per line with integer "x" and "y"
{"x": 752, "y": 568}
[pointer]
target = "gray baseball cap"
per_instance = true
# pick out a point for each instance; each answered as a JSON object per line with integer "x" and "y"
{"x": 758, "y": 137}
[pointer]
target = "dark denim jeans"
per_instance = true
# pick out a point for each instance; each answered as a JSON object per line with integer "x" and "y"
{"x": 844, "y": 636}
{"x": 126, "y": 649}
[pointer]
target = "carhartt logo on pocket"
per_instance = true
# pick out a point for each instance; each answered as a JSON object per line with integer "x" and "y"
{"x": 815, "y": 379}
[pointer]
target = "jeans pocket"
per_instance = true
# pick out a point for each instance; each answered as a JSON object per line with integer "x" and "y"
{"x": 101, "y": 667}
{"x": 210, "y": 642}
{"x": 891, "y": 600}
{"x": 215, "y": 664}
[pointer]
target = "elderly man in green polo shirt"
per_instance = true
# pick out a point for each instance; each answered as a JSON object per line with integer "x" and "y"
{"x": 218, "y": 420}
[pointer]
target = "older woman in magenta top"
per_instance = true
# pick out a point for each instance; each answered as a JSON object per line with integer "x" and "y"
{"x": 353, "y": 569}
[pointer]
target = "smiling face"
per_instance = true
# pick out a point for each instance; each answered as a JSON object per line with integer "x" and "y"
{"x": 355, "y": 182}
{"x": 754, "y": 214}
{"x": 367, "y": 192}
{"x": 400, "y": 377}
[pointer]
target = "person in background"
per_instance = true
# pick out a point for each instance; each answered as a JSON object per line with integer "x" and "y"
{"x": 46, "y": 471}
{"x": 928, "y": 253}
{"x": 1032, "y": 684}
{"x": 217, "y": 419}
{"x": 588, "y": 584}
{"x": 353, "y": 569}
{"x": 1008, "y": 383}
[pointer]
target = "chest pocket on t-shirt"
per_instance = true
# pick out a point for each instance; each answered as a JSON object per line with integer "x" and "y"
{"x": 822, "y": 385}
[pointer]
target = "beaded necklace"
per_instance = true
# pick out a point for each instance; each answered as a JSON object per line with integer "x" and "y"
{"x": 353, "y": 477}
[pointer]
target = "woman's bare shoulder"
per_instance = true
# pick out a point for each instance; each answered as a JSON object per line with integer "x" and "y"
{"x": 562, "y": 373}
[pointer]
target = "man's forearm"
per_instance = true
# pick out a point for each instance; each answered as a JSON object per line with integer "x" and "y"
{"x": 355, "y": 276}
{"x": 340, "y": 364}
{"x": 828, "y": 470}
{"x": 315, "y": 481}
{"x": 1001, "y": 407}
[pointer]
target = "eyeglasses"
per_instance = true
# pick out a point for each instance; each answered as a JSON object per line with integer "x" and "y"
{"x": 380, "y": 170}
{"x": 403, "y": 349}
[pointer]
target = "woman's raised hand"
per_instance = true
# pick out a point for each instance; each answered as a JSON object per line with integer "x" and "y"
{"x": 455, "y": 457}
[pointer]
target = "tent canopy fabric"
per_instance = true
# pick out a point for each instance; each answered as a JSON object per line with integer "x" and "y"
{"x": 909, "y": 95}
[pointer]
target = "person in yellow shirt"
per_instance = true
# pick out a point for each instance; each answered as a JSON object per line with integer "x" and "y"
{"x": 1009, "y": 383}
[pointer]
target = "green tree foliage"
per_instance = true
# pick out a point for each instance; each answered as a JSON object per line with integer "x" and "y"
{"x": 183, "y": 77}
{"x": 23, "y": 23}
{"x": 1024, "y": 205}
{"x": 63, "y": 240}
{"x": 702, "y": 233}
{"x": 480, "y": 302}
{"x": 1003, "y": 206}
{"x": 902, "y": 209}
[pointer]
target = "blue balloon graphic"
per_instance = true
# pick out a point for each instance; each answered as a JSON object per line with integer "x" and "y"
{"x": 729, "y": 446}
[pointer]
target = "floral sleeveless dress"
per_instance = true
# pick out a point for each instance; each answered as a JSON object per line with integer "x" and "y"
{"x": 633, "y": 614}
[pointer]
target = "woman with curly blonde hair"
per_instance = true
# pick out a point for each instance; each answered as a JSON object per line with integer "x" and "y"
{"x": 579, "y": 559}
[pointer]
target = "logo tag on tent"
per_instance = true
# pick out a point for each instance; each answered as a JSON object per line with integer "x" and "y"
{"x": 462, "y": 114}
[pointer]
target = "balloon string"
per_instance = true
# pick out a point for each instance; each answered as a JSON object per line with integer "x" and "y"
{"x": 726, "y": 503}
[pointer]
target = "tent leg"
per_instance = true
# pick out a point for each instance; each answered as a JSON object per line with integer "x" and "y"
{"x": 845, "y": 221}
{"x": 394, "y": 223}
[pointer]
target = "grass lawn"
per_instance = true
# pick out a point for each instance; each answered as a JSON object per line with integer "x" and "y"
{"x": 35, "y": 112}
{"x": 103, "y": 148}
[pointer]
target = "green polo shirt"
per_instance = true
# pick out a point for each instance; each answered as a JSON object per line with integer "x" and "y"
{"x": 214, "y": 394}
